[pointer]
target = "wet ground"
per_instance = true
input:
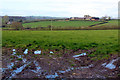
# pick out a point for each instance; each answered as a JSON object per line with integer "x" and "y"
{"x": 18, "y": 63}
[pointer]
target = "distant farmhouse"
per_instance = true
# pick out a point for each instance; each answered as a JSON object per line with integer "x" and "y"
{"x": 77, "y": 18}
{"x": 86, "y": 17}
{"x": 94, "y": 18}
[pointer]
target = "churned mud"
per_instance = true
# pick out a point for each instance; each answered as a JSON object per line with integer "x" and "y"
{"x": 18, "y": 63}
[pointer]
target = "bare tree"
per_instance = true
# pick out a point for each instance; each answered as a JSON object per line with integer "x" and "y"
{"x": 17, "y": 25}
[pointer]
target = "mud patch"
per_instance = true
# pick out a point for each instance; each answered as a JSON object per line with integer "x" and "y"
{"x": 56, "y": 65}
{"x": 110, "y": 65}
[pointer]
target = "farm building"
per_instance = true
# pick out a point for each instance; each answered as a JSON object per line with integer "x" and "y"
{"x": 77, "y": 18}
{"x": 94, "y": 18}
{"x": 86, "y": 17}
{"x": 67, "y": 19}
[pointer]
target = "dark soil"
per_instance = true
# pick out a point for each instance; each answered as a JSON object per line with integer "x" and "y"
{"x": 57, "y": 65}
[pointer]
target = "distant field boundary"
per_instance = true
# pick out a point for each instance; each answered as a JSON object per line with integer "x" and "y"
{"x": 88, "y": 28}
{"x": 103, "y": 25}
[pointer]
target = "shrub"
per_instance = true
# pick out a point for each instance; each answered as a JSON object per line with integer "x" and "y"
{"x": 17, "y": 25}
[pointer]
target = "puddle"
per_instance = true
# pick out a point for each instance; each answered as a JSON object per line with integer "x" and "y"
{"x": 14, "y": 53}
{"x": 38, "y": 68}
{"x": 61, "y": 71}
{"x": 10, "y": 66}
{"x": 77, "y": 59}
{"x": 104, "y": 64}
{"x": 52, "y": 76}
{"x": 18, "y": 70}
{"x": 51, "y": 52}
{"x": 26, "y": 51}
{"x": 24, "y": 60}
{"x": 91, "y": 65}
{"x": 67, "y": 70}
{"x": 37, "y": 52}
{"x": 19, "y": 56}
{"x": 3, "y": 69}
{"x": 110, "y": 65}
{"x": 70, "y": 69}
{"x": 13, "y": 50}
{"x": 83, "y": 54}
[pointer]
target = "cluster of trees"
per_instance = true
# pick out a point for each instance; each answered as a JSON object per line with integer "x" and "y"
{"x": 17, "y": 25}
{"x": 14, "y": 24}
{"x": 5, "y": 20}
{"x": 105, "y": 18}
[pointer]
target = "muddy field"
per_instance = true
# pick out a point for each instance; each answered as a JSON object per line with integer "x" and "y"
{"x": 18, "y": 63}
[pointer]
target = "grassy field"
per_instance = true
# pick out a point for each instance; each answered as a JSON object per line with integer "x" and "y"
{"x": 61, "y": 24}
{"x": 103, "y": 41}
{"x": 113, "y": 22}
{"x": 73, "y": 25}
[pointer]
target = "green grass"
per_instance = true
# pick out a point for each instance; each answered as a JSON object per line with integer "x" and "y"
{"x": 111, "y": 23}
{"x": 73, "y": 25}
{"x": 103, "y": 41}
{"x": 61, "y": 24}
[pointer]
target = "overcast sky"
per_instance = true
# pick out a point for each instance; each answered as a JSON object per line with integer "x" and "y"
{"x": 59, "y": 8}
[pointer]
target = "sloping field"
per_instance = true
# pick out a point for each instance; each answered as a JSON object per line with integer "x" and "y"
{"x": 111, "y": 23}
{"x": 61, "y": 24}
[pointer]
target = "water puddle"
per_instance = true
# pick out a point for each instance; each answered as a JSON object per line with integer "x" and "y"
{"x": 26, "y": 51}
{"x": 14, "y": 53}
{"x": 20, "y": 56}
{"x": 38, "y": 68}
{"x": 83, "y": 54}
{"x": 52, "y": 76}
{"x": 24, "y": 60}
{"x": 18, "y": 70}
{"x": 110, "y": 65}
{"x": 14, "y": 50}
{"x": 10, "y": 66}
{"x": 70, "y": 69}
{"x": 89, "y": 66}
{"x": 37, "y": 52}
{"x": 77, "y": 59}
{"x": 67, "y": 70}
{"x": 51, "y": 52}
